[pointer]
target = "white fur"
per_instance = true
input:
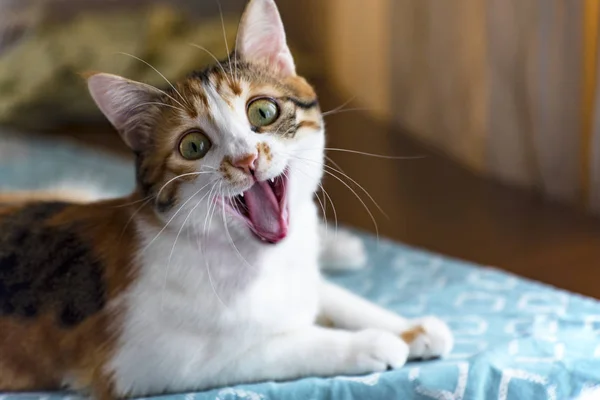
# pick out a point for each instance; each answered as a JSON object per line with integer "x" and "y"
{"x": 211, "y": 305}
{"x": 341, "y": 250}
{"x": 590, "y": 393}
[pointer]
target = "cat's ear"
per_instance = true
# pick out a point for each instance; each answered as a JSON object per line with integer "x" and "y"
{"x": 261, "y": 37}
{"x": 127, "y": 104}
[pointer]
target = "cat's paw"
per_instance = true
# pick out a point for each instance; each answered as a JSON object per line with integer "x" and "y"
{"x": 342, "y": 251}
{"x": 429, "y": 337}
{"x": 375, "y": 351}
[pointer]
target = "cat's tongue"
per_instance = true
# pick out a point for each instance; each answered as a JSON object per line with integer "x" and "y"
{"x": 268, "y": 218}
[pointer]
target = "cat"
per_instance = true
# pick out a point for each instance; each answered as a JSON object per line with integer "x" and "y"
{"x": 207, "y": 275}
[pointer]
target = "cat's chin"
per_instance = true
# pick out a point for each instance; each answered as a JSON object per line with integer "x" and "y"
{"x": 263, "y": 208}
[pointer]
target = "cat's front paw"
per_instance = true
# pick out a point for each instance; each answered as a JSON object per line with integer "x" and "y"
{"x": 429, "y": 337}
{"x": 375, "y": 351}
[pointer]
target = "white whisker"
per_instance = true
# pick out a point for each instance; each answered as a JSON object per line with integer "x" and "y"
{"x": 362, "y": 153}
{"x": 376, "y": 155}
{"x": 224, "y": 33}
{"x": 214, "y": 57}
{"x": 158, "y": 72}
{"x": 179, "y": 177}
{"x": 156, "y": 103}
{"x": 353, "y": 192}
{"x": 350, "y": 100}
{"x": 332, "y": 112}
{"x": 133, "y": 202}
{"x": 173, "y": 217}
{"x": 332, "y": 206}
{"x": 231, "y": 239}
{"x": 212, "y": 285}
{"x": 163, "y": 93}
{"x": 175, "y": 244}
{"x": 148, "y": 199}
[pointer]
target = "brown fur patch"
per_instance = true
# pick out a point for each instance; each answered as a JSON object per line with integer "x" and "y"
{"x": 301, "y": 88}
{"x": 310, "y": 125}
{"x": 72, "y": 196}
{"x": 235, "y": 87}
{"x": 37, "y": 351}
{"x": 410, "y": 335}
{"x": 265, "y": 149}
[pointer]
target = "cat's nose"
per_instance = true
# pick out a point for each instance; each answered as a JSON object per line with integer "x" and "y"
{"x": 246, "y": 162}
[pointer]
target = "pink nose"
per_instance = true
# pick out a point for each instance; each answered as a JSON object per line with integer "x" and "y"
{"x": 247, "y": 162}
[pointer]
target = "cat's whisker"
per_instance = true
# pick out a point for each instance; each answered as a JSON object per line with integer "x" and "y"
{"x": 334, "y": 112}
{"x": 163, "y": 93}
{"x": 350, "y": 100}
{"x": 148, "y": 199}
{"x": 172, "y": 218}
{"x": 231, "y": 239}
{"x": 362, "y": 153}
{"x": 133, "y": 202}
{"x": 159, "y": 73}
{"x": 208, "y": 213}
{"x": 197, "y": 173}
{"x": 367, "y": 209}
{"x": 335, "y": 217}
{"x": 212, "y": 285}
{"x": 325, "y": 193}
{"x": 316, "y": 196}
{"x": 215, "y": 58}
{"x": 156, "y": 103}
{"x": 224, "y": 35}
{"x": 365, "y": 191}
{"x": 174, "y": 245}
{"x": 359, "y": 199}
{"x": 334, "y": 163}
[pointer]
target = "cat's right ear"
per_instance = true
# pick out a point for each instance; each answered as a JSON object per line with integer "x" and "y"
{"x": 127, "y": 104}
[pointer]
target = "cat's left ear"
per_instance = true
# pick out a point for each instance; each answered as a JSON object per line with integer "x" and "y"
{"x": 261, "y": 37}
{"x": 128, "y": 105}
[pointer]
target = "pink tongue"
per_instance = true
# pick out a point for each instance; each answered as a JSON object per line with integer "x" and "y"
{"x": 268, "y": 219}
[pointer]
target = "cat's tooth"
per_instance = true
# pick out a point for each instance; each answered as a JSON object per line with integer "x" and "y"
{"x": 272, "y": 180}
{"x": 242, "y": 194}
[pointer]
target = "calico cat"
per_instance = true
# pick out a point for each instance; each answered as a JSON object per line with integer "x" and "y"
{"x": 207, "y": 275}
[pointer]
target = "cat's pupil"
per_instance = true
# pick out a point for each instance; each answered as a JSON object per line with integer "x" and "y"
{"x": 262, "y": 113}
{"x": 194, "y": 147}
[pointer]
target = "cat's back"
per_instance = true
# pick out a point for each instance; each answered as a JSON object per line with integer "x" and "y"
{"x": 60, "y": 265}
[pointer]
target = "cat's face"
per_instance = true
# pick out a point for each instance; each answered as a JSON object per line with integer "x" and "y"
{"x": 240, "y": 142}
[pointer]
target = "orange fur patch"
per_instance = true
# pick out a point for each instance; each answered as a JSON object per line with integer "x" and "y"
{"x": 38, "y": 353}
{"x": 410, "y": 335}
{"x": 310, "y": 125}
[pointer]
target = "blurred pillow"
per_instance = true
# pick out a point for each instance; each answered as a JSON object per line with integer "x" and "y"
{"x": 42, "y": 53}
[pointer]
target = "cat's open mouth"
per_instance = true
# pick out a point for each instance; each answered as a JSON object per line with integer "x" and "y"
{"x": 264, "y": 207}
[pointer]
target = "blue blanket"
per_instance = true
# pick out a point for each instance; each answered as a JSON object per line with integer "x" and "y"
{"x": 515, "y": 339}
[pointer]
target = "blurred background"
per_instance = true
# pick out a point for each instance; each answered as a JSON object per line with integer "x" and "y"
{"x": 493, "y": 102}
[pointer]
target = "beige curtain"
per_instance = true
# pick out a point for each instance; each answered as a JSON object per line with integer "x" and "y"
{"x": 506, "y": 87}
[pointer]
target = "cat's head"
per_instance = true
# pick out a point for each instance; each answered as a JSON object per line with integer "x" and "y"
{"x": 242, "y": 139}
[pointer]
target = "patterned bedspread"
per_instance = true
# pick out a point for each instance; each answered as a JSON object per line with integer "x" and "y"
{"x": 515, "y": 339}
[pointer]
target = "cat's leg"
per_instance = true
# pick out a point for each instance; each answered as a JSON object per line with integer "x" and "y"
{"x": 184, "y": 362}
{"x": 341, "y": 250}
{"x": 427, "y": 337}
{"x": 318, "y": 351}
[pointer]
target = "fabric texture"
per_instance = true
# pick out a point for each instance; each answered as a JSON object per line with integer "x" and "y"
{"x": 515, "y": 339}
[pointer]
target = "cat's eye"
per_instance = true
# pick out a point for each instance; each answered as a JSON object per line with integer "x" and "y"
{"x": 263, "y": 112}
{"x": 194, "y": 146}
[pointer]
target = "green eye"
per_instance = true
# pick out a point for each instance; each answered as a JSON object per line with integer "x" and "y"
{"x": 263, "y": 112}
{"x": 194, "y": 146}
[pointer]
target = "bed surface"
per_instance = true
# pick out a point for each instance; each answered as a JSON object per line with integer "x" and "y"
{"x": 515, "y": 339}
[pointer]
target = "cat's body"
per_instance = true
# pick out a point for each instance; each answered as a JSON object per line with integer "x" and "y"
{"x": 209, "y": 273}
